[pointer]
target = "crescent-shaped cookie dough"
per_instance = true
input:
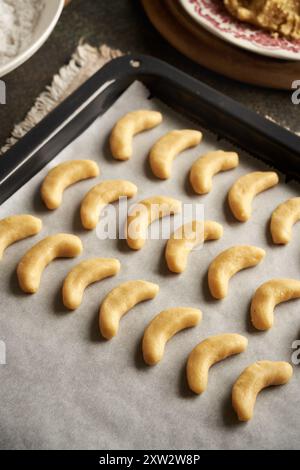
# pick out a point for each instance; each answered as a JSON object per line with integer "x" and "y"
{"x": 252, "y": 380}
{"x": 84, "y": 274}
{"x": 144, "y": 213}
{"x": 17, "y": 227}
{"x": 165, "y": 325}
{"x": 243, "y": 191}
{"x": 167, "y": 147}
{"x": 33, "y": 263}
{"x": 208, "y": 352}
{"x": 185, "y": 238}
{"x": 283, "y": 219}
{"x": 119, "y": 301}
{"x": 267, "y": 296}
{"x": 129, "y": 125}
{"x": 63, "y": 175}
{"x": 209, "y": 165}
{"x": 228, "y": 263}
{"x": 101, "y": 195}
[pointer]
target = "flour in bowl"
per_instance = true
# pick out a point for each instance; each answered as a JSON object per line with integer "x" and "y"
{"x": 18, "y": 20}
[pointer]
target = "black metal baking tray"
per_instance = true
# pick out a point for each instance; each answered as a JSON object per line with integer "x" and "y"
{"x": 213, "y": 110}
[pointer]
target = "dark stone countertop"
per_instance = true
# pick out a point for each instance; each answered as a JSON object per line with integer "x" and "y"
{"x": 122, "y": 24}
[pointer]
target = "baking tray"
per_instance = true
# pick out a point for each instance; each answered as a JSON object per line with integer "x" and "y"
{"x": 213, "y": 110}
{"x": 65, "y": 387}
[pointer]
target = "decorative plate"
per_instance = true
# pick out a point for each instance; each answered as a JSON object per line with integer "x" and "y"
{"x": 49, "y": 17}
{"x": 213, "y": 16}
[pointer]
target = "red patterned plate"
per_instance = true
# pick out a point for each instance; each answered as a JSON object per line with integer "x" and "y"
{"x": 213, "y": 16}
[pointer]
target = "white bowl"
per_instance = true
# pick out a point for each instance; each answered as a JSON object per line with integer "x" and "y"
{"x": 47, "y": 21}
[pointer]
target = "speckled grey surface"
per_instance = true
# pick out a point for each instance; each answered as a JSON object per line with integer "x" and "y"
{"x": 64, "y": 387}
{"x": 122, "y": 24}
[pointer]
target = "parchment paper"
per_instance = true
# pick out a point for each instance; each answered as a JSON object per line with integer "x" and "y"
{"x": 63, "y": 387}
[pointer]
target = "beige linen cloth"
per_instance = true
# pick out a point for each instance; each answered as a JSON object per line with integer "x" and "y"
{"x": 85, "y": 61}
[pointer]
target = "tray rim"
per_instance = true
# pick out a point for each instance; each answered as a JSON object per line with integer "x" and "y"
{"x": 42, "y": 143}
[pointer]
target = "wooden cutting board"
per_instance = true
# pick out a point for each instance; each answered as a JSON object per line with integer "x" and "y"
{"x": 190, "y": 39}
